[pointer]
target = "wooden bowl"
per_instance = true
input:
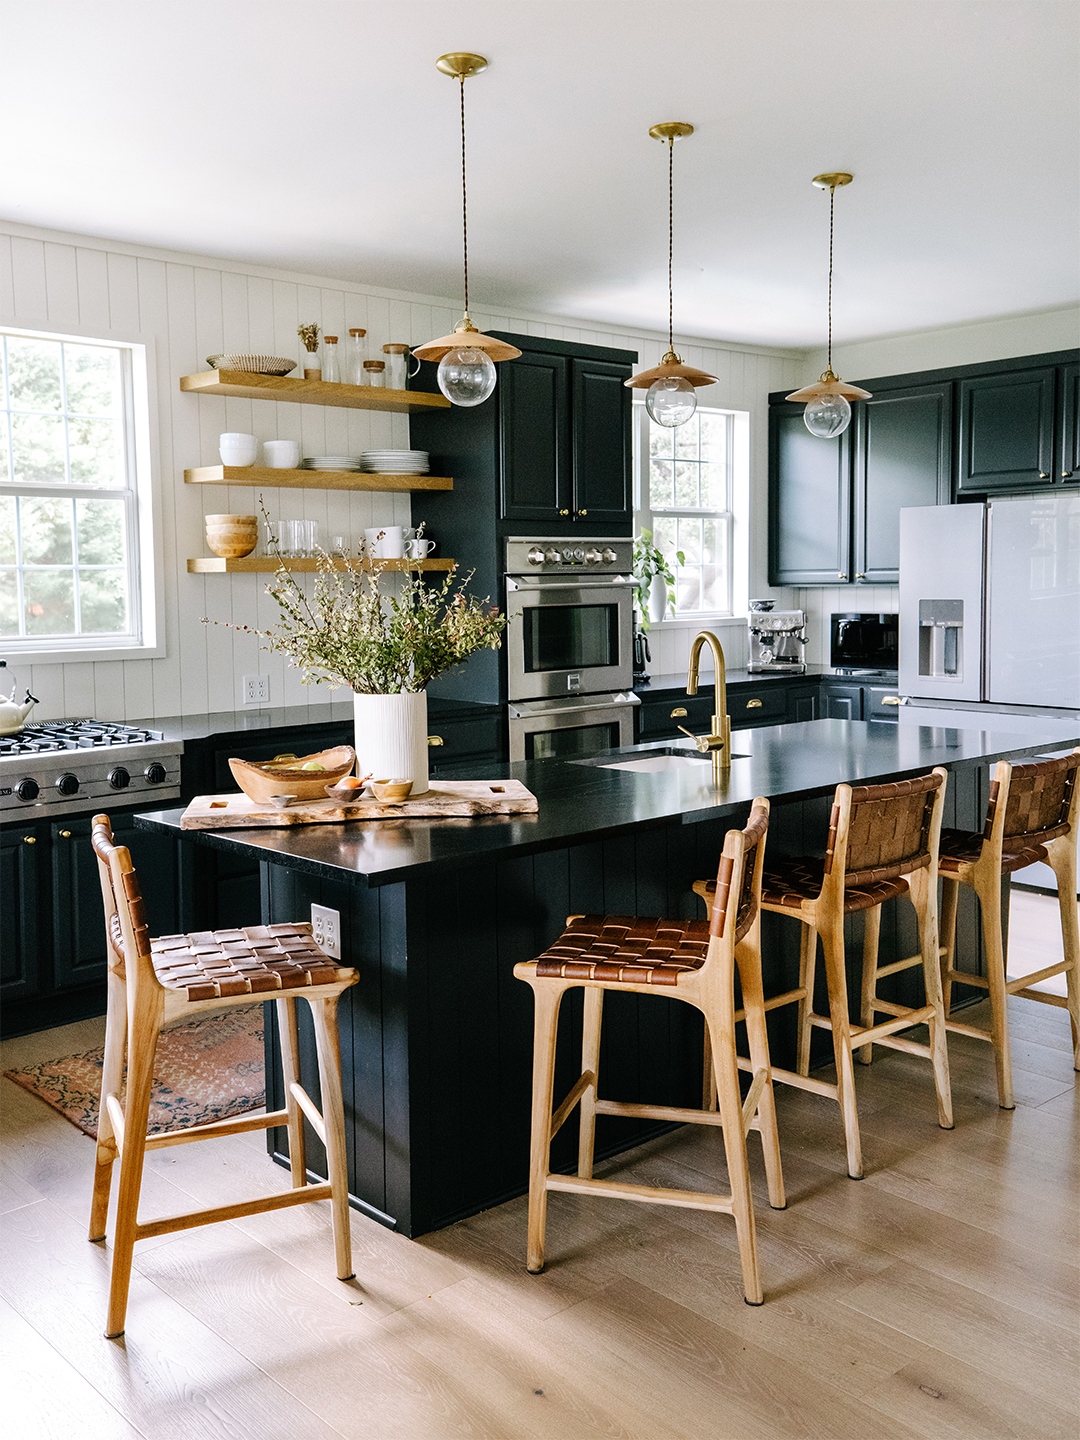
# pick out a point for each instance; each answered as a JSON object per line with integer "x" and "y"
{"x": 391, "y": 789}
{"x": 232, "y": 536}
{"x": 288, "y": 776}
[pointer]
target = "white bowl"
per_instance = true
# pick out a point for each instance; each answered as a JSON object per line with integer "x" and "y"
{"x": 236, "y": 448}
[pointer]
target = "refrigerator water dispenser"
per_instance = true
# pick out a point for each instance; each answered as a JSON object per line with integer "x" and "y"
{"x": 941, "y": 634}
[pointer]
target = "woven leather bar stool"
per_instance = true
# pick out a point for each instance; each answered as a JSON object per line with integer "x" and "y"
{"x": 883, "y": 842}
{"x": 690, "y": 960}
{"x": 1033, "y": 814}
{"x": 152, "y": 982}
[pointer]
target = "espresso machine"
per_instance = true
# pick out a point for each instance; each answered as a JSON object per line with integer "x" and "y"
{"x": 777, "y": 639}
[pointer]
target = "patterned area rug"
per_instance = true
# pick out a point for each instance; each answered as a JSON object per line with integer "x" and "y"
{"x": 207, "y": 1069}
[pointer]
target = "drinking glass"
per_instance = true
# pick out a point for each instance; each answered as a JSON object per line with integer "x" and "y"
{"x": 272, "y": 538}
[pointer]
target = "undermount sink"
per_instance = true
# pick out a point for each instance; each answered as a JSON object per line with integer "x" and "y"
{"x": 655, "y": 762}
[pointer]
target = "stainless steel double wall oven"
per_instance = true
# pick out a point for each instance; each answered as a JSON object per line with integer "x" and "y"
{"x": 569, "y": 645}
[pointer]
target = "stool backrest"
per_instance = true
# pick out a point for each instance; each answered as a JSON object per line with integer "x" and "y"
{"x": 881, "y": 832}
{"x": 127, "y": 935}
{"x": 1039, "y": 801}
{"x": 737, "y": 901}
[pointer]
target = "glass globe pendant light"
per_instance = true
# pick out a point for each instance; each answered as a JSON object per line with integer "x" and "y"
{"x": 466, "y": 373}
{"x": 671, "y": 399}
{"x": 828, "y": 401}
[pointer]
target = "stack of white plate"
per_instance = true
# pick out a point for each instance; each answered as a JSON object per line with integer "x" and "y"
{"x": 396, "y": 462}
{"x": 332, "y": 462}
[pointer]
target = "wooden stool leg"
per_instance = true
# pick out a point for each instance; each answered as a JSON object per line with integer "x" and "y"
{"x": 1062, "y": 856}
{"x": 290, "y": 1069}
{"x": 871, "y": 937}
{"x": 708, "y": 1074}
{"x": 742, "y": 1208}
{"x": 807, "y": 975}
{"x": 141, "y": 1053}
{"x": 832, "y": 942}
{"x": 922, "y": 886}
{"x": 988, "y": 889}
{"x": 753, "y": 995}
{"x": 112, "y": 1074}
{"x": 590, "y": 1060}
{"x": 324, "y": 1016}
{"x": 547, "y": 999}
{"x": 950, "y": 895}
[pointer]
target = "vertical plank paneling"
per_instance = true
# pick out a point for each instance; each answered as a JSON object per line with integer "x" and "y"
{"x": 61, "y": 285}
{"x": 92, "y": 281}
{"x": 122, "y": 277}
{"x": 7, "y": 289}
{"x": 28, "y": 280}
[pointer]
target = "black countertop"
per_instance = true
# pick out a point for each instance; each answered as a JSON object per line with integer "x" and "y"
{"x": 584, "y": 801}
{"x": 663, "y": 685}
{"x": 191, "y": 728}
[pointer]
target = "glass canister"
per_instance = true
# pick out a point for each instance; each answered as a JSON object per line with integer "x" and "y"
{"x": 397, "y": 366}
{"x": 331, "y": 365}
{"x": 373, "y": 372}
{"x": 355, "y": 355}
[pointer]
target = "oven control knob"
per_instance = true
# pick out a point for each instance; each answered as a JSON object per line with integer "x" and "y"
{"x": 156, "y": 773}
{"x": 551, "y": 555}
{"x": 608, "y": 555}
{"x": 119, "y": 778}
{"x": 568, "y": 556}
{"x": 579, "y": 553}
{"x": 592, "y": 557}
{"x": 27, "y": 790}
{"x": 68, "y": 784}
{"x": 536, "y": 556}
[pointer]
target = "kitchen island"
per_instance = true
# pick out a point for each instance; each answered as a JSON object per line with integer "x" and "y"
{"x": 436, "y": 1038}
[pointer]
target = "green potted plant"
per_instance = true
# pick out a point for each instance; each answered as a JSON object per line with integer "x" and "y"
{"x": 385, "y": 645}
{"x": 655, "y": 581}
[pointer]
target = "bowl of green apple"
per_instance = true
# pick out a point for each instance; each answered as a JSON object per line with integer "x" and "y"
{"x": 303, "y": 777}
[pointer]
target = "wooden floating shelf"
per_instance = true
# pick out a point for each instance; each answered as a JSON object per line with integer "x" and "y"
{"x": 267, "y": 565}
{"x": 248, "y": 386}
{"x": 263, "y": 475}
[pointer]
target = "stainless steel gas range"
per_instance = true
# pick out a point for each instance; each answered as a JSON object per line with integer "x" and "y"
{"x": 54, "y": 768}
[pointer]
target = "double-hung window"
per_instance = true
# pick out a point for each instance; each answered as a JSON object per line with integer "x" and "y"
{"x": 686, "y": 482}
{"x": 75, "y": 549}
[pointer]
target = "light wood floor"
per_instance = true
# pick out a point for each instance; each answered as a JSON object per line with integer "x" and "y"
{"x": 937, "y": 1298}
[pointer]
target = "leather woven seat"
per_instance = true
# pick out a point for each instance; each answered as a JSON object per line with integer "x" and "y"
{"x": 787, "y": 883}
{"x": 254, "y": 961}
{"x": 1033, "y": 814}
{"x": 689, "y": 960}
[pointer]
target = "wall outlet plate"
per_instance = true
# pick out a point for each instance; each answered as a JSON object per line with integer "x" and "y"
{"x": 256, "y": 689}
{"x": 326, "y": 930}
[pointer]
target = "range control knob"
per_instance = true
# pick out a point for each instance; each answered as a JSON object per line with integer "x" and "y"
{"x": 27, "y": 790}
{"x": 552, "y": 556}
{"x": 119, "y": 778}
{"x": 536, "y": 555}
{"x": 68, "y": 784}
{"x": 568, "y": 556}
{"x": 579, "y": 553}
{"x": 592, "y": 557}
{"x": 608, "y": 555}
{"x": 156, "y": 773}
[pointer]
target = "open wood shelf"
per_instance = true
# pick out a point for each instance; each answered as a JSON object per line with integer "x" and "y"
{"x": 312, "y": 479}
{"x": 267, "y": 565}
{"x": 248, "y": 386}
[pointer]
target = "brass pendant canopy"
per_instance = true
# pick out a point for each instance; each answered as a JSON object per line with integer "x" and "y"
{"x": 466, "y": 336}
{"x": 829, "y": 384}
{"x": 461, "y": 64}
{"x": 670, "y": 365}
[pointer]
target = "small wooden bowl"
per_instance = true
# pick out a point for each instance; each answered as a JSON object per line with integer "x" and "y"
{"x": 259, "y": 781}
{"x": 345, "y": 793}
{"x": 391, "y": 789}
{"x": 232, "y": 536}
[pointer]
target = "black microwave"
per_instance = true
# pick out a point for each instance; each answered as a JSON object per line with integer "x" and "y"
{"x": 864, "y": 642}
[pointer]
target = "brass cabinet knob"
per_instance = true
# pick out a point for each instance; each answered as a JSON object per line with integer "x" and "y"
{"x": 1044, "y": 474}
{"x": 1065, "y": 474}
{"x": 860, "y": 575}
{"x": 841, "y": 574}
{"x": 753, "y": 704}
{"x": 29, "y": 839}
{"x": 564, "y": 512}
{"x": 434, "y": 740}
{"x": 582, "y": 512}
{"x": 65, "y": 834}
{"x": 890, "y": 700}
{"x": 679, "y": 713}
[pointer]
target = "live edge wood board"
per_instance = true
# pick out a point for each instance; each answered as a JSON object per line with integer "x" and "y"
{"x": 263, "y": 475}
{"x": 444, "y": 798}
{"x": 311, "y": 392}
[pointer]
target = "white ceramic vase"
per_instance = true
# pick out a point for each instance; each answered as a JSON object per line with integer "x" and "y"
{"x": 391, "y": 737}
{"x": 657, "y": 599}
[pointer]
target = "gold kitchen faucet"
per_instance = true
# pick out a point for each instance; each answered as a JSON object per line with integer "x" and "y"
{"x": 718, "y": 741}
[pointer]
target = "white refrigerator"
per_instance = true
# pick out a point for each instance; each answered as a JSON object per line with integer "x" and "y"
{"x": 990, "y": 601}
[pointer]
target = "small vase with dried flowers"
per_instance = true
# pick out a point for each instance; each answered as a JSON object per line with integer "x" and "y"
{"x": 309, "y": 334}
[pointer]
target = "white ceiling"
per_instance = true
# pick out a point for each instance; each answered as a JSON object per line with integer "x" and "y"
{"x": 319, "y": 137}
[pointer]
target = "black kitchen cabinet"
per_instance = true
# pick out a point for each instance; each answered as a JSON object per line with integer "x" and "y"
{"x": 1069, "y": 450}
{"x": 840, "y": 701}
{"x": 472, "y": 742}
{"x": 534, "y": 438}
{"x": 809, "y": 502}
{"x": 24, "y": 852}
{"x": 1007, "y": 432}
{"x": 880, "y": 702}
{"x": 750, "y": 705}
{"x": 602, "y": 489}
{"x": 903, "y": 457}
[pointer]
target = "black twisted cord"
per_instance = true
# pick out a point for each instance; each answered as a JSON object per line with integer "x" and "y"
{"x": 832, "y": 204}
{"x": 464, "y": 198}
{"x": 671, "y": 241}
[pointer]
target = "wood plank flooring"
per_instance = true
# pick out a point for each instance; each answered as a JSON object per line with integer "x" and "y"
{"x": 938, "y": 1299}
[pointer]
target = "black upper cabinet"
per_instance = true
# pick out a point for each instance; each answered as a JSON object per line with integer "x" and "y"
{"x": 1069, "y": 452}
{"x": 534, "y": 437}
{"x": 1007, "y": 432}
{"x": 903, "y": 457}
{"x": 809, "y": 502}
{"x": 600, "y": 404}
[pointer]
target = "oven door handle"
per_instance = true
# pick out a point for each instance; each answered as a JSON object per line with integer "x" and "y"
{"x": 592, "y": 709}
{"x": 570, "y": 582}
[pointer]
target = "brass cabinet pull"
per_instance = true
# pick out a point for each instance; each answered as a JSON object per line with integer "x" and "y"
{"x": 890, "y": 700}
{"x": 1065, "y": 474}
{"x": 841, "y": 575}
{"x": 753, "y": 704}
{"x": 1044, "y": 474}
{"x": 434, "y": 740}
{"x": 564, "y": 512}
{"x": 582, "y": 512}
{"x": 29, "y": 839}
{"x": 679, "y": 713}
{"x": 65, "y": 834}
{"x": 860, "y": 575}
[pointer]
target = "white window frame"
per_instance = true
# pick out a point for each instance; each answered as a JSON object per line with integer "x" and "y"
{"x": 145, "y": 641}
{"x": 734, "y": 514}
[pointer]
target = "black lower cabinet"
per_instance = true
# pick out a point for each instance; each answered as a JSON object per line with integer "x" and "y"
{"x": 840, "y": 702}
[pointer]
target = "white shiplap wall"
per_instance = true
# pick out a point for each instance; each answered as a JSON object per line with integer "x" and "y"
{"x": 187, "y": 307}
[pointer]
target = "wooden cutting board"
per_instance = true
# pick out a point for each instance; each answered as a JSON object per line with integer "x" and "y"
{"x": 444, "y": 797}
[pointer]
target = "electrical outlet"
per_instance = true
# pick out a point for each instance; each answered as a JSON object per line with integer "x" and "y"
{"x": 256, "y": 689}
{"x": 326, "y": 930}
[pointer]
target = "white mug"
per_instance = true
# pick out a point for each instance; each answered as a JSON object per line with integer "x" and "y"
{"x": 392, "y": 544}
{"x": 417, "y": 549}
{"x": 236, "y": 448}
{"x": 281, "y": 454}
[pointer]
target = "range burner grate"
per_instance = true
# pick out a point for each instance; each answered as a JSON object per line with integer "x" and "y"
{"x": 41, "y": 736}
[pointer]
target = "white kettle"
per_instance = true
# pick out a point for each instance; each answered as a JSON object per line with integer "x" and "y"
{"x": 11, "y": 714}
